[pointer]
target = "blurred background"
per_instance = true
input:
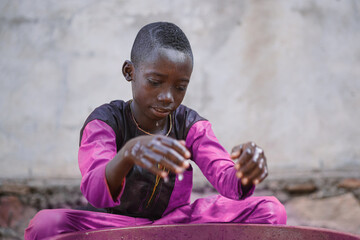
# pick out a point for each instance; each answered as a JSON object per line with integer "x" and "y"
{"x": 284, "y": 74}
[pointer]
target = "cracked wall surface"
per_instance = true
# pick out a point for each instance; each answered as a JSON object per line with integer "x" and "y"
{"x": 284, "y": 74}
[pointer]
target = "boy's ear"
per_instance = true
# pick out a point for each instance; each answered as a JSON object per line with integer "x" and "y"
{"x": 128, "y": 70}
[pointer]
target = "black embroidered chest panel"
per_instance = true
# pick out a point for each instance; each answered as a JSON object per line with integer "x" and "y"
{"x": 136, "y": 200}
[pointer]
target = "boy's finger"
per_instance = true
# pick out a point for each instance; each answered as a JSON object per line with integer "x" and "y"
{"x": 150, "y": 161}
{"x": 175, "y": 144}
{"x": 255, "y": 175}
{"x": 263, "y": 176}
{"x": 236, "y": 151}
{"x": 250, "y": 153}
{"x": 147, "y": 164}
{"x": 182, "y": 142}
{"x": 244, "y": 158}
{"x": 151, "y": 156}
{"x": 260, "y": 178}
{"x": 246, "y": 168}
{"x": 170, "y": 158}
{"x": 168, "y": 164}
{"x": 235, "y": 155}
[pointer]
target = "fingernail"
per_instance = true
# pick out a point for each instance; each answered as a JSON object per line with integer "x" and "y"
{"x": 239, "y": 174}
{"x": 245, "y": 181}
{"x": 235, "y": 154}
{"x": 248, "y": 151}
{"x": 166, "y": 179}
{"x": 186, "y": 164}
{"x": 256, "y": 182}
{"x": 237, "y": 166}
{"x": 180, "y": 177}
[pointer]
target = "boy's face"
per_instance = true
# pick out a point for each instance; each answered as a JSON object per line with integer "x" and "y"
{"x": 159, "y": 83}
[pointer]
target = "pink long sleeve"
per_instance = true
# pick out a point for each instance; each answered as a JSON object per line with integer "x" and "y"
{"x": 214, "y": 161}
{"x": 97, "y": 148}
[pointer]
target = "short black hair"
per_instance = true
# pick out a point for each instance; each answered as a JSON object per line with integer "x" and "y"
{"x": 159, "y": 34}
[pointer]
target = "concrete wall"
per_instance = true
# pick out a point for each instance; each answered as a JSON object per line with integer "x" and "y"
{"x": 285, "y": 74}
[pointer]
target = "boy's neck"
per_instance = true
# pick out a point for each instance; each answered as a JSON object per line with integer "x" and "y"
{"x": 147, "y": 125}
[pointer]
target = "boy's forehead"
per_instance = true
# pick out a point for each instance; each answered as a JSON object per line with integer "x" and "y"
{"x": 160, "y": 55}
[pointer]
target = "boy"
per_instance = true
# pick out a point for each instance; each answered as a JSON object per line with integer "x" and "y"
{"x": 134, "y": 156}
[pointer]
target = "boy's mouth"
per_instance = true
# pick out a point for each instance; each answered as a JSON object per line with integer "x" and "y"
{"x": 161, "y": 112}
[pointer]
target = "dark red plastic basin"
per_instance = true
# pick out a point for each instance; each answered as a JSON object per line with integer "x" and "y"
{"x": 210, "y": 231}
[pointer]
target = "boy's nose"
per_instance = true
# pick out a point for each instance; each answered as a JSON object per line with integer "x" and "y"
{"x": 166, "y": 96}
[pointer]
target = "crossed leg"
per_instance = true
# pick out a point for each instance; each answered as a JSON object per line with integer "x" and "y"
{"x": 261, "y": 210}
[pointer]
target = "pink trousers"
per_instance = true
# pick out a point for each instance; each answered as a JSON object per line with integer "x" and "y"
{"x": 215, "y": 209}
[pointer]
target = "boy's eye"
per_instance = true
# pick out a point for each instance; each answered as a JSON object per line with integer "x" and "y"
{"x": 154, "y": 82}
{"x": 181, "y": 88}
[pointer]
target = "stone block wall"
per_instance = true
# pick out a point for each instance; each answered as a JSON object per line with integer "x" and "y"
{"x": 329, "y": 200}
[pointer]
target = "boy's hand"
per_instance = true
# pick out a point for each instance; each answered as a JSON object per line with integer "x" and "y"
{"x": 150, "y": 152}
{"x": 250, "y": 163}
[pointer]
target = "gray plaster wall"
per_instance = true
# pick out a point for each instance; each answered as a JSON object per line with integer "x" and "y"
{"x": 285, "y": 74}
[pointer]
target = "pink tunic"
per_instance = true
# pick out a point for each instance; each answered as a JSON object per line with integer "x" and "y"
{"x": 98, "y": 147}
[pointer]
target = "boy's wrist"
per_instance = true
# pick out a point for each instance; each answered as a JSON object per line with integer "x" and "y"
{"x": 127, "y": 159}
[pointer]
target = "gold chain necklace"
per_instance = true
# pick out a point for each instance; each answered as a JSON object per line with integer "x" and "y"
{"x": 157, "y": 180}
{"x": 138, "y": 126}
